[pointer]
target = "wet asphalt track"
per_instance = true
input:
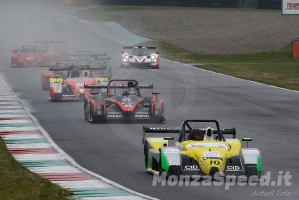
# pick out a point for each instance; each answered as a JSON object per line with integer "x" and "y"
{"x": 267, "y": 114}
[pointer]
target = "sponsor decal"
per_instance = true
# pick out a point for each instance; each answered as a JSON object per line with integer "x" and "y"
{"x": 171, "y": 151}
{"x": 191, "y": 168}
{"x": 114, "y": 113}
{"x": 142, "y": 116}
{"x": 192, "y": 145}
{"x": 141, "y": 113}
{"x": 79, "y": 84}
{"x": 250, "y": 151}
{"x": 128, "y": 105}
{"x": 126, "y": 99}
{"x": 114, "y": 116}
{"x": 211, "y": 154}
{"x": 232, "y": 141}
{"x": 233, "y": 168}
{"x": 156, "y": 139}
{"x": 290, "y": 7}
{"x": 208, "y": 158}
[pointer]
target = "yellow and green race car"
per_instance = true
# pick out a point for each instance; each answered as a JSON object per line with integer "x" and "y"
{"x": 200, "y": 151}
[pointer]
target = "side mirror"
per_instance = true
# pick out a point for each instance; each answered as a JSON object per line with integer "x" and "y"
{"x": 94, "y": 94}
{"x": 156, "y": 94}
{"x": 247, "y": 140}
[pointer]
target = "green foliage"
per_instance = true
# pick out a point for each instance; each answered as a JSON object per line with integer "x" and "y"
{"x": 275, "y": 68}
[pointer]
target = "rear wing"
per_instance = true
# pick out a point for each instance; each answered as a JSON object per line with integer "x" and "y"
{"x": 81, "y": 53}
{"x": 159, "y": 130}
{"x": 48, "y": 41}
{"x": 77, "y": 67}
{"x": 103, "y": 58}
{"x": 49, "y": 66}
{"x": 91, "y": 55}
{"x": 16, "y": 50}
{"x": 118, "y": 86}
{"x": 228, "y": 131}
{"x": 74, "y": 63}
{"x": 131, "y": 47}
{"x": 22, "y": 50}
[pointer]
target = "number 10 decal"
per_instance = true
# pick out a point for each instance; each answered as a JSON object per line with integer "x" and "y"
{"x": 214, "y": 162}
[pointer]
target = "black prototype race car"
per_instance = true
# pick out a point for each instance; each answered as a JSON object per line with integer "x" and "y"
{"x": 122, "y": 102}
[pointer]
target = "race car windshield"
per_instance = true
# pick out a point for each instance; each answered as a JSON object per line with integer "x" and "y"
{"x": 140, "y": 52}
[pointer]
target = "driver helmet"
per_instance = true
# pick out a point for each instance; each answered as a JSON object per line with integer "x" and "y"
{"x": 209, "y": 134}
{"x": 132, "y": 91}
{"x": 197, "y": 134}
{"x": 75, "y": 73}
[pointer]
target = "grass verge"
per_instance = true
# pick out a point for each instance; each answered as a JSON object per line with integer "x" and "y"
{"x": 18, "y": 183}
{"x": 274, "y": 68}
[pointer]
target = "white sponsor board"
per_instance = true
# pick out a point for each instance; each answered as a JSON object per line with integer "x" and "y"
{"x": 202, "y": 144}
{"x": 290, "y": 7}
{"x": 171, "y": 150}
{"x": 211, "y": 154}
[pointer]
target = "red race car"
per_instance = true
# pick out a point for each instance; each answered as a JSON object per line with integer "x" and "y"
{"x": 29, "y": 56}
{"x": 56, "y": 48}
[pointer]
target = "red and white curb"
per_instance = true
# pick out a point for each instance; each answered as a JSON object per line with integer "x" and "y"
{"x": 32, "y": 146}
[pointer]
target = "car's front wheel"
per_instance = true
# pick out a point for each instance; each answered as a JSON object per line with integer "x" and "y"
{"x": 89, "y": 113}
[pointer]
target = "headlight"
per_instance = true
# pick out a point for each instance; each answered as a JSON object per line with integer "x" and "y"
{"x": 126, "y": 57}
{"x": 99, "y": 109}
{"x": 153, "y": 59}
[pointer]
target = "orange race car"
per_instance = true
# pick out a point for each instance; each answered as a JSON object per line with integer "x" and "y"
{"x": 60, "y": 64}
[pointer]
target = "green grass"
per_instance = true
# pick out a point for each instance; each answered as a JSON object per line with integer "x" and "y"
{"x": 274, "y": 68}
{"x": 179, "y": 54}
{"x": 280, "y": 75}
{"x": 102, "y": 13}
{"x": 18, "y": 183}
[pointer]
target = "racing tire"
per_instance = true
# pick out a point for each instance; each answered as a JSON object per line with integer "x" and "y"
{"x": 45, "y": 87}
{"x": 251, "y": 170}
{"x": 88, "y": 113}
{"x": 146, "y": 154}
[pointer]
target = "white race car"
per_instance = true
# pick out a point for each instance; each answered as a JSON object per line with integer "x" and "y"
{"x": 140, "y": 57}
